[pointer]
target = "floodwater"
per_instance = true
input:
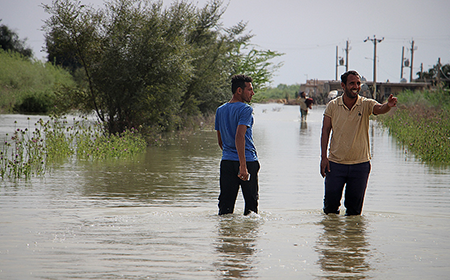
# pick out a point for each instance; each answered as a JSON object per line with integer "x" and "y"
{"x": 155, "y": 217}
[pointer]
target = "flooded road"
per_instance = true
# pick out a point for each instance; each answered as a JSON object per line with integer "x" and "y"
{"x": 155, "y": 217}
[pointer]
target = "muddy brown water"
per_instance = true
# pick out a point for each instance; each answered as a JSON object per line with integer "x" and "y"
{"x": 155, "y": 217}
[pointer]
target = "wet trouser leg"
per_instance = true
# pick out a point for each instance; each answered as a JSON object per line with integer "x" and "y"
{"x": 354, "y": 177}
{"x": 303, "y": 113}
{"x": 229, "y": 187}
{"x": 250, "y": 188}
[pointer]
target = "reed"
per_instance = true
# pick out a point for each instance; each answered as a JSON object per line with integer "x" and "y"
{"x": 422, "y": 124}
{"x": 30, "y": 153}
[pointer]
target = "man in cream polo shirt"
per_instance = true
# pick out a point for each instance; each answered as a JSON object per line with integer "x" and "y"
{"x": 347, "y": 162}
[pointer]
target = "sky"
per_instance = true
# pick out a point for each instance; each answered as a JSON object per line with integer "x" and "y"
{"x": 308, "y": 32}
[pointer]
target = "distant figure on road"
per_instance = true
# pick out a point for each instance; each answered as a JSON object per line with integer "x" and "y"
{"x": 239, "y": 165}
{"x": 348, "y": 160}
{"x": 305, "y": 103}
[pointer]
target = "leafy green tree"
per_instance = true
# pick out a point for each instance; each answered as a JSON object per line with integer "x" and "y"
{"x": 430, "y": 74}
{"x": 444, "y": 75}
{"x": 228, "y": 55}
{"x": 134, "y": 59}
{"x": 257, "y": 62}
{"x": 441, "y": 73}
{"x": 207, "y": 87}
{"x": 9, "y": 41}
{"x": 138, "y": 63}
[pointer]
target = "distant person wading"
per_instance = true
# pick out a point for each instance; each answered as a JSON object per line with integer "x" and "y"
{"x": 305, "y": 104}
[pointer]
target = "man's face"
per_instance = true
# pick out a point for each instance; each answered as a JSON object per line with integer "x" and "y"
{"x": 353, "y": 86}
{"x": 247, "y": 93}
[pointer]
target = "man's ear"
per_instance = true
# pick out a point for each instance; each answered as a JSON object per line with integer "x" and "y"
{"x": 343, "y": 85}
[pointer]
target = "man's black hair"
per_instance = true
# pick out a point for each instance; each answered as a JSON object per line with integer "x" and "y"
{"x": 238, "y": 81}
{"x": 346, "y": 74}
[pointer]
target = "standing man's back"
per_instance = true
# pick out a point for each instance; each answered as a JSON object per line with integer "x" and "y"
{"x": 239, "y": 165}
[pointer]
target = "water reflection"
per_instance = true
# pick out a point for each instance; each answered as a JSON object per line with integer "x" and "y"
{"x": 303, "y": 126}
{"x": 343, "y": 248}
{"x": 236, "y": 244}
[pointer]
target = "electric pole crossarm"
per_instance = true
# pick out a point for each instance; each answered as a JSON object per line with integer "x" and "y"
{"x": 374, "y": 41}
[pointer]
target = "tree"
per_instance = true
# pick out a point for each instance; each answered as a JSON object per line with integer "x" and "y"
{"x": 256, "y": 62}
{"x": 143, "y": 64}
{"x": 134, "y": 59}
{"x": 437, "y": 73}
{"x": 212, "y": 62}
{"x": 9, "y": 41}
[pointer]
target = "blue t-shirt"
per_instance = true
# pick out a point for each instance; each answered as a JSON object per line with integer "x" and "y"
{"x": 228, "y": 117}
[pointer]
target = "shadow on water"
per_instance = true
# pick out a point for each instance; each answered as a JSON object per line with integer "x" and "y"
{"x": 342, "y": 247}
{"x": 236, "y": 244}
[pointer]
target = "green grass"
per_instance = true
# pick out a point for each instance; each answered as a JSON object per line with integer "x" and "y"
{"x": 27, "y": 85}
{"x": 422, "y": 124}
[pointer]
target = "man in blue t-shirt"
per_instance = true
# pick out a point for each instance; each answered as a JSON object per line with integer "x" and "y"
{"x": 239, "y": 165}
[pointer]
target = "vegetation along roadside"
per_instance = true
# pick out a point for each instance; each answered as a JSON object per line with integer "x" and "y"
{"x": 31, "y": 151}
{"x": 422, "y": 124}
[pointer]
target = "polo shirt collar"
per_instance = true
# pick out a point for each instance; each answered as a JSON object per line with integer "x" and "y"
{"x": 358, "y": 102}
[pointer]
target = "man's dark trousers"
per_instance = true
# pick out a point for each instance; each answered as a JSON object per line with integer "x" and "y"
{"x": 355, "y": 178}
{"x": 229, "y": 187}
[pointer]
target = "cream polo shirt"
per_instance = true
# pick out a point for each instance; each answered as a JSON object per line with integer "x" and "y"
{"x": 350, "y": 130}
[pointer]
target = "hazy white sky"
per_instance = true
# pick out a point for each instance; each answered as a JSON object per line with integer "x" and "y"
{"x": 308, "y": 33}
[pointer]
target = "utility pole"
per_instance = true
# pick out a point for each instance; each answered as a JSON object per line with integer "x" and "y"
{"x": 421, "y": 73}
{"x": 346, "y": 57}
{"x": 438, "y": 73}
{"x": 403, "y": 62}
{"x": 375, "y": 41}
{"x": 412, "y": 61}
{"x": 337, "y": 63}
